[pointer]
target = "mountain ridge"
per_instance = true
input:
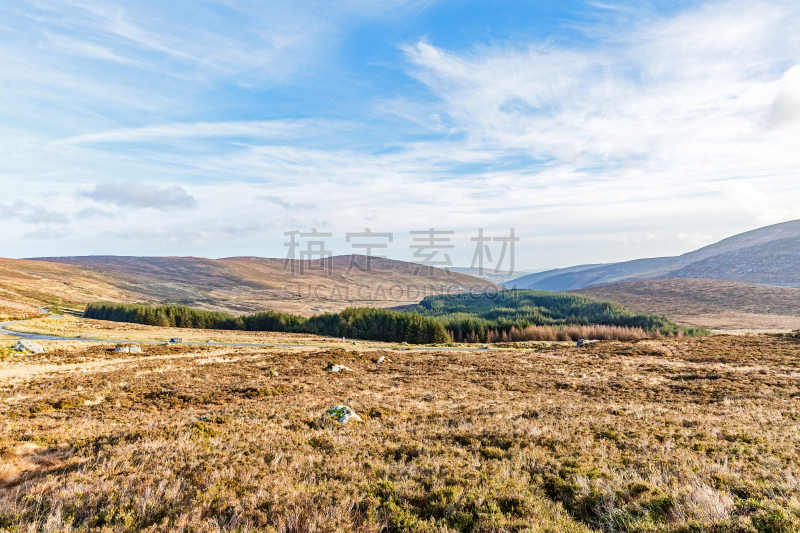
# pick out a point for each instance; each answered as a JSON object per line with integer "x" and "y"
{"x": 769, "y": 255}
{"x": 239, "y": 285}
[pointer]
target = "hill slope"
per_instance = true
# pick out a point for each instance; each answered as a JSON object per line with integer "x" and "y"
{"x": 769, "y": 255}
{"x": 716, "y": 304}
{"x": 27, "y": 285}
{"x": 248, "y": 284}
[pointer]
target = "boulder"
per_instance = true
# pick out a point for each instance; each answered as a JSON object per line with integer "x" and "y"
{"x": 128, "y": 348}
{"x": 28, "y": 346}
{"x": 341, "y": 414}
{"x": 338, "y": 368}
{"x": 381, "y": 359}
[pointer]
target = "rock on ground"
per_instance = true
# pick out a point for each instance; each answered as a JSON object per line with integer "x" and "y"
{"x": 338, "y": 368}
{"x": 28, "y": 346}
{"x": 128, "y": 349}
{"x": 341, "y": 414}
{"x": 581, "y": 342}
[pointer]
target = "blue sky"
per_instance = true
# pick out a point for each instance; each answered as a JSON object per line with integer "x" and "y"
{"x": 599, "y": 131}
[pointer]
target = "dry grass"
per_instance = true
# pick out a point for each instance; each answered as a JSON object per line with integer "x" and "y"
{"x": 680, "y": 435}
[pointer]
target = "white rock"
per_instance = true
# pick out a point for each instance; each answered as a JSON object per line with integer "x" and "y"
{"x": 381, "y": 359}
{"x": 128, "y": 348}
{"x": 338, "y": 368}
{"x": 28, "y": 346}
{"x": 341, "y": 414}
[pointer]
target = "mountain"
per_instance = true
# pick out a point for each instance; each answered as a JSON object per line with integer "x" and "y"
{"x": 489, "y": 274}
{"x": 769, "y": 255}
{"x": 234, "y": 284}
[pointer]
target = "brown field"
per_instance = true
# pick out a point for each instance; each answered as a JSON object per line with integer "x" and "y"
{"x": 725, "y": 306}
{"x": 680, "y": 435}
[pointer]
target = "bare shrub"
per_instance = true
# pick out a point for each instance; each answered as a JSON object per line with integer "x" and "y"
{"x": 569, "y": 333}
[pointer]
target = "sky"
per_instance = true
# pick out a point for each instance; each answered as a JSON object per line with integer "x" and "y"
{"x": 598, "y": 131}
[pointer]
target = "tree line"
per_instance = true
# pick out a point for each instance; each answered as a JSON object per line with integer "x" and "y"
{"x": 481, "y": 318}
{"x": 359, "y": 323}
{"x": 513, "y": 314}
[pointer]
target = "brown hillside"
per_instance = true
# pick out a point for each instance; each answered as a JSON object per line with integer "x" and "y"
{"x": 243, "y": 284}
{"x": 719, "y": 305}
{"x": 27, "y": 285}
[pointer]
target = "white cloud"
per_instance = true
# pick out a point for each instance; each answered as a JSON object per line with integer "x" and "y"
{"x": 286, "y": 205}
{"x": 766, "y": 208}
{"x": 93, "y": 212}
{"x": 132, "y": 193}
{"x": 598, "y": 152}
{"x": 45, "y": 234}
{"x": 786, "y": 107}
{"x": 32, "y": 214}
{"x": 696, "y": 239}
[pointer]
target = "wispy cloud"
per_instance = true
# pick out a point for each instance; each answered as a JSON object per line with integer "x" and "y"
{"x": 134, "y": 193}
{"x": 45, "y": 234}
{"x": 93, "y": 212}
{"x": 286, "y": 205}
{"x": 681, "y": 121}
{"x": 25, "y": 212}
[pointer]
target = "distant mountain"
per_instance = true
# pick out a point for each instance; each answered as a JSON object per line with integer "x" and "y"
{"x": 769, "y": 255}
{"x": 489, "y": 274}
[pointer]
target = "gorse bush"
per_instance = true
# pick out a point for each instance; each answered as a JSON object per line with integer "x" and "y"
{"x": 510, "y": 315}
{"x": 360, "y": 323}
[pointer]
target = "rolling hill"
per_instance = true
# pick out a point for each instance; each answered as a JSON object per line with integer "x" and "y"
{"x": 237, "y": 284}
{"x": 769, "y": 255}
{"x": 728, "y": 306}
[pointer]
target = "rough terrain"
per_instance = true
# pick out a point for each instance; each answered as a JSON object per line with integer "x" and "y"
{"x": 657, "y": 436}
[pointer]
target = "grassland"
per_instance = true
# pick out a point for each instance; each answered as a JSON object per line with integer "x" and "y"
{"x": 676, "y": 435}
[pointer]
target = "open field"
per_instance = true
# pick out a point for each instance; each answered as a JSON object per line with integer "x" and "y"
{"x": 726, "y": 306}
{"x": 676, "y": 435}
